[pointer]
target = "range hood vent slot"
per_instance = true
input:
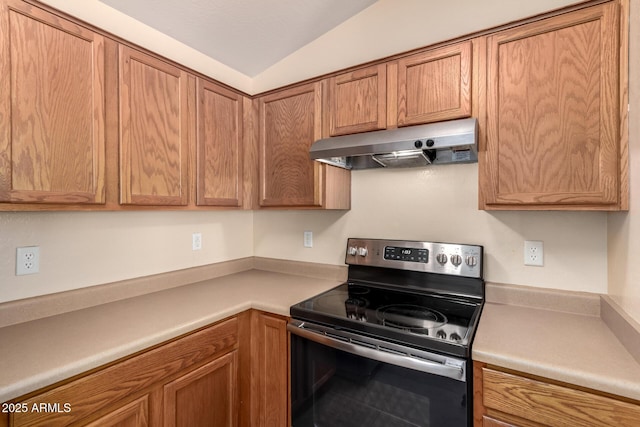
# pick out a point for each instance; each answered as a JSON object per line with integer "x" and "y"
{"x": 454, "y": 141}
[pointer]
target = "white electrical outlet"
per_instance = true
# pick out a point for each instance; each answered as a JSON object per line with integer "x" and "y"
{"x": 27, "y": 260}
{"x": 534, "y": 253}
{"x": 308, "y": 239}
{"x": 196, "y": 241}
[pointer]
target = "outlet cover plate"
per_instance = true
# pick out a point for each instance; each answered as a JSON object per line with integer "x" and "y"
{"x": 308, "y": 239}
{"x": 534, "y": 253}
{"x": 196, "y": 241}
{"x": 27, "y": 260}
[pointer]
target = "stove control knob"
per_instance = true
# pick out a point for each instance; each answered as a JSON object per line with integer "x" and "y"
{"x": 363, "y": 252}
{"x": 456, "y": 260}
{"x": 441, "y": 334}
{"x": 455, "y": 337}
{"x": 471, "y": 261}
{"x": 441, "y": 258}
{"x": 352, "y": 250}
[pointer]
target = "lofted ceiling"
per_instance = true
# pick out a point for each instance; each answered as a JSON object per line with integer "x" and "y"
{"x": 246, "y": 35}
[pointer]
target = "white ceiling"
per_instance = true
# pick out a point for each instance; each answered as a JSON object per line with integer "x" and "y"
{"x": 246, "y": 35}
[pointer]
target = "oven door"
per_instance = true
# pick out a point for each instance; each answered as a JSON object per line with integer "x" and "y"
{"x": 343, "y": 379}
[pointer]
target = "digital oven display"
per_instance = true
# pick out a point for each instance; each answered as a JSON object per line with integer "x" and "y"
{"x": 406, "y": 254}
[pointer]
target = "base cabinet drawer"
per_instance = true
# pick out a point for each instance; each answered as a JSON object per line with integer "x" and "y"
{"x": 509, "y": 399}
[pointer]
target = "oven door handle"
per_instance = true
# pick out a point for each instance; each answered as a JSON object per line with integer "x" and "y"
{"x": 450, "y": 368}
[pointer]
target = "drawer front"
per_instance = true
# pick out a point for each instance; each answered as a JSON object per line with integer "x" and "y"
{"x": 553, "y": 405}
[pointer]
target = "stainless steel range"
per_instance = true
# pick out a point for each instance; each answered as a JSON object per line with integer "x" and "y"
{"x": 392, "y": 345}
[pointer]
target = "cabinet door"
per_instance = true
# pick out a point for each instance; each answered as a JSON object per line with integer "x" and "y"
{"x": 219, "y": 146}
{"x": 52, "y": 108}
{"x": 435, "y": 85}
{"x": 357, "y": 101}
{"x": 290, "y": 121}
{"x": 552, "y": 113}
{"x": 272, "y": 368}
{"x": 206, "y": 396}
{"x": 154, "y": 130}
{"x": 133, "y": 414}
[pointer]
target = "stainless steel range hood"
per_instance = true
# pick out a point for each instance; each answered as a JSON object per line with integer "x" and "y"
{"x": 454, "y": 141}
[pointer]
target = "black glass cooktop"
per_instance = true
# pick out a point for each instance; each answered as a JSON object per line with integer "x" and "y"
{"x": 423, "y": 320}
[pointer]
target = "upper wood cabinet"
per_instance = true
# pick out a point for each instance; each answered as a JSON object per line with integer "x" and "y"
{"x": 290, "y": 121}
{"x": 553, "y": 114}
{"x": 356, "y": 101}
{"x": 219, "y": 146}
{"x": 434, "y": 85}
{"x": 52, "y": 108}
{"x": 155, "y": 130}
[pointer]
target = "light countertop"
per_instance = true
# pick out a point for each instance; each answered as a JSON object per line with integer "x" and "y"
{"x": 573, "y": 348}
{"x": 44, "y": 351}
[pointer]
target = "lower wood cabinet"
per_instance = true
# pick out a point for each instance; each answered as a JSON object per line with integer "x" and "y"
{"x": 506, "y": 398}
{"x": 205, "y": 396}
{"x": 132, "y": 414}
{"x": 270, "y": 360}
{"x": 232, "y": 373}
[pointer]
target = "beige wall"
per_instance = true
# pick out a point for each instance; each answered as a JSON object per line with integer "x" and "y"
{"x": 79, "y": 249}
{"x": 440, "y": 204}
{"x": 624, "y": 227}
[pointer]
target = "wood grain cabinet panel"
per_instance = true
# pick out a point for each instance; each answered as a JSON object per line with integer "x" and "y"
{"x": 219, "y": 146}
{"x": 511, "y": 399}
{"x": 155, "y": 130}
{"x": 133, "y": 414}
{"x": 434, "y": 85}
{"x": 207, "y": 396}
{"x": 110, "y": 389}
{"x": 290, "y": 121}
{"x": 357, "y": 101}
{"x": 553, "y": 117}
{"x": 52, "y": 108}
{"x": 271, "y": 364}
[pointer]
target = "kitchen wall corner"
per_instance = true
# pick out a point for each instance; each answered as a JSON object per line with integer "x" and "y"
{"x": 624, "y": 227}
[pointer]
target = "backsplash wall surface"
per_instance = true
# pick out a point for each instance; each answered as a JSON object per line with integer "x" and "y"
{"x": 439, "y": 203}
{"x": 80, "y": 249}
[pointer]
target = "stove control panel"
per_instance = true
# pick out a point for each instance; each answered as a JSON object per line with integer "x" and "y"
{"x": 406, "y": 254}
{"x": 430, "y": 257}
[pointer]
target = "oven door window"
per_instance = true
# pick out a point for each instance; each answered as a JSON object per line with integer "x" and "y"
{"x": 332, "y": 388}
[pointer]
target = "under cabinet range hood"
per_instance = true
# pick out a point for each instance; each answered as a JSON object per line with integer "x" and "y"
{"x": 454, "y": 141}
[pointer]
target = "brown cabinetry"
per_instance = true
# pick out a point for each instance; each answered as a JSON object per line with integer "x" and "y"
{"x": 219, "y": 146}
{"x": 356, "y": 101}
{"x": 171, "y": 384}
{"x": 270, "y": 360}
{"x": 289, "y": 122}
{"x": 553, "y": 114}
{"x": 206, "y": 396}
{"x": 434, "y": 85}
{"x": 513, "y": 399}
{"x": 132, "y": 414}
{"x": 155, "y": 130}
{"x": 52, "y": 108}
{"x": 234, "y": 372}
